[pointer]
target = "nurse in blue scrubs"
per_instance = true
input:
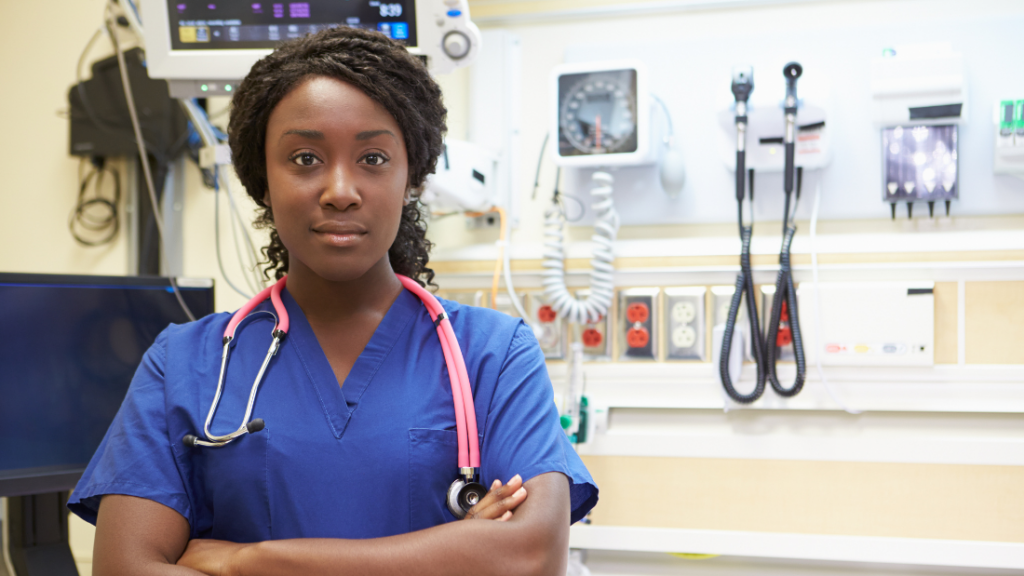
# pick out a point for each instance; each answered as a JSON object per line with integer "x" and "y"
{"x": 333, "y": 136}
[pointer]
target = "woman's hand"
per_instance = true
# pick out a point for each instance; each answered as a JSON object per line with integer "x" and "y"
{"x": 500, "y": 501}
{"x": 213, "y": 557}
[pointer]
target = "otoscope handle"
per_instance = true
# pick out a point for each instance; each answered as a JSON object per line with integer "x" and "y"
{"x": 790, "y": 161}
{"x": 741, "y": 174}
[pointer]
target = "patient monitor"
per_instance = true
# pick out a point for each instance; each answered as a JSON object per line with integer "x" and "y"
{"x": 205, "y": 47}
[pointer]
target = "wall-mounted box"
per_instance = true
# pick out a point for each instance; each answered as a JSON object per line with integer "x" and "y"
{"x": 870, "y": 323}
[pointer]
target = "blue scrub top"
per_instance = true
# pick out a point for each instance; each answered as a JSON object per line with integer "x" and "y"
{"x": 369, "y": 459}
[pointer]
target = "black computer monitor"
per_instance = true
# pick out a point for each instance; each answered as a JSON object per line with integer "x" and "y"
{"x": 69, "y": 349}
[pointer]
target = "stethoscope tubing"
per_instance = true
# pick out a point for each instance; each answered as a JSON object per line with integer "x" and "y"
{"x": 462, "y": 392}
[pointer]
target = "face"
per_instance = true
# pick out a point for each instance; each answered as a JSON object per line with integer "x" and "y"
{"x": 337, "y": 174}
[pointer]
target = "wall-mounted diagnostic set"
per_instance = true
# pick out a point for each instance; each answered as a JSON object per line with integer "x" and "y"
{"x": 783, "y": 321}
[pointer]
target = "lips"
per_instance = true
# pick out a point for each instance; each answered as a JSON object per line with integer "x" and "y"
{"x": 340, "y": 233}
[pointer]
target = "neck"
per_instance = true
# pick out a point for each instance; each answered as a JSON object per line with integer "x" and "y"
{"x": 326, "y": 300}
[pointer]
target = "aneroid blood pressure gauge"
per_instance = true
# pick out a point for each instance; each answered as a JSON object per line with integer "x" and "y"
{"x": 601, "y": 114}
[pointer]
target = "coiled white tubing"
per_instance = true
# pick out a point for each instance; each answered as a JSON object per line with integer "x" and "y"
{"x": 602, "y": 285}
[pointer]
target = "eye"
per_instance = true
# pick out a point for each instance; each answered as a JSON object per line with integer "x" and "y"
{"x": 374, "y": 159}
{"x": 305, "y": 159}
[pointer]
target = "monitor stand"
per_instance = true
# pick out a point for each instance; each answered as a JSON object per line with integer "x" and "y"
{"x": 37, "y": 535}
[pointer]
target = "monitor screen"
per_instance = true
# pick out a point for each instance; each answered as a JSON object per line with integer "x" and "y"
{"x": 71, "y": 347}
{"x": 235, "y": 24}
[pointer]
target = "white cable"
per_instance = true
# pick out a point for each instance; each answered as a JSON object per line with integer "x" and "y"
{"x": 143, "y": 156}
{"x": 202, "y": 125}
{"x": 503, "y": 244}
{"x": 602, "y": 280}
{"x": 246, "y": 270}
{"x": 817, "y": 301}
{"x": 132, "y": 16}
{"x": 216, "y": 241}
{"x": 252, "y": 266}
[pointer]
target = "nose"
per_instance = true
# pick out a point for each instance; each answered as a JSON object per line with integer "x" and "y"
{"x": 341, "y": 191}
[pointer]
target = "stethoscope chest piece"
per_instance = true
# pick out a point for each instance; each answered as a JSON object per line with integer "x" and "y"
{"x": 464, "y": 493}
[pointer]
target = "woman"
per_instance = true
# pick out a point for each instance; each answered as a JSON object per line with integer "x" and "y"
{"x": 333, "y": 135}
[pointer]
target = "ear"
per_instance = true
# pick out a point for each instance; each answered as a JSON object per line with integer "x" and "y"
{"x": 266, "y": 198}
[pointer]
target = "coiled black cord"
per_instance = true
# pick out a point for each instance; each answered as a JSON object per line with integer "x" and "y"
{"x": 86, "y": 213}
{"x": 785, "y": 292}
{"x": 744, "y": 287}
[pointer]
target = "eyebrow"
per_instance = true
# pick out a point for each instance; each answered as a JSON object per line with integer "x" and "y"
{"x": 373, "y": 134}
{"x": 311, "y": 134}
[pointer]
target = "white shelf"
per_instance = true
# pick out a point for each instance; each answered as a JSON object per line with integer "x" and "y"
{"x": 860, "y": 549}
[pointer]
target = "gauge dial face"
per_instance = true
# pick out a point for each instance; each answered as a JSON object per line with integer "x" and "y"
{"x": 597, "y": 113}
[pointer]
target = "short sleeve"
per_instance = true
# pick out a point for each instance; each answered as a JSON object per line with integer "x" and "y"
{"x": 522, "y": 433}
{"x": 135, "y": 457}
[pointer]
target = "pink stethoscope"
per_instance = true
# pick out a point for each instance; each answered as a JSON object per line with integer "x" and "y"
{"x": 466, "y": 490}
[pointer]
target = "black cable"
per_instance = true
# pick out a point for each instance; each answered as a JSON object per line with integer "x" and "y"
{"x": 744, "y": 287}
{"x": 82, "y": 215}
{"x": 540, "y": 160}
{"x": 742, "y": 86}
{"x": 784, "y": 305}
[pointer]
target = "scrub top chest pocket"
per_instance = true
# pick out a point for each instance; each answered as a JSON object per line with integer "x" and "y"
{"x": 237, "y": 495}
{"x": 430, "y": 455}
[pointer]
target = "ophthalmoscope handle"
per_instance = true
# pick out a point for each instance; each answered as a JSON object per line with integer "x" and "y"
{"x": 792, "y": 72}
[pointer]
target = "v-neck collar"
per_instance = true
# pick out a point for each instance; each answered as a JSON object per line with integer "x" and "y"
{"x": 339, "y": 403}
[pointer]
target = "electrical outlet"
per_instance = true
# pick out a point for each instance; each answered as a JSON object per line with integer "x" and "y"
{"x": 721, "y": 298}
{"x": 784, "y": 340}
{"x": 547, "y": 326}
{"x": 638, "y": 310}
{"x": 684, "y": 323}
{"x": 597, "y": 343}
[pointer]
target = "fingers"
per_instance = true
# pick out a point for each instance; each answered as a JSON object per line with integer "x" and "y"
{"x": 505, "y": 517}
{"x": 499, "y": 500}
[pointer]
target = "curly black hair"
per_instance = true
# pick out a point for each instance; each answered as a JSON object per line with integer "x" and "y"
{"x": 385, "y": 71}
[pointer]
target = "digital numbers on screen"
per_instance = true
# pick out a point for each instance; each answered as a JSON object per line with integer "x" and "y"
{"x": 390, "y": 10}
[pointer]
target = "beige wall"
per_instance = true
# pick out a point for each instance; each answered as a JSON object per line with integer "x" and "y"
{"x": 39, "y": 181}
{"x": 39, "y": 185}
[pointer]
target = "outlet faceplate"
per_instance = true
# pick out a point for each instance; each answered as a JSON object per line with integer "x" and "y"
{"x": 786, "y": 353}
{"x": 548, "y": 327}
{"x": 596, "y": 336}
{"x": 684, "y": 323}
{"x": 721, "y": 297}
{"x": 638, "y": 324}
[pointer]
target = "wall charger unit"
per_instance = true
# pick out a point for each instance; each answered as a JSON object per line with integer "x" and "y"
{"x": 870, "y": 323}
